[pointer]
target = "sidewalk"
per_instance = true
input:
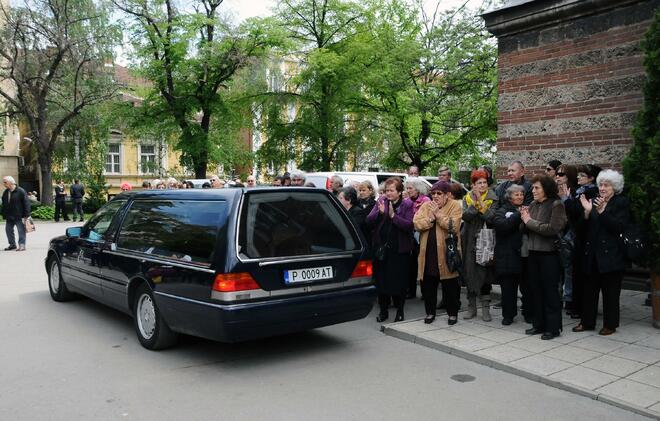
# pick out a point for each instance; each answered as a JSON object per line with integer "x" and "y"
{"x": 622, "y": 369}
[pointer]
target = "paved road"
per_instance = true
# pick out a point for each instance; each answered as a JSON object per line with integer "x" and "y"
{"x": 80, "y": 360}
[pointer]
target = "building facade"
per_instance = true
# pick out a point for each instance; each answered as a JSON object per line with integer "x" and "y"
{"x": 570, "y": 79}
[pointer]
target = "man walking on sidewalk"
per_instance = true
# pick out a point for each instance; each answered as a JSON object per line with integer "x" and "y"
{"x": 77, "y": 194}
{"x": 15, "y": 207}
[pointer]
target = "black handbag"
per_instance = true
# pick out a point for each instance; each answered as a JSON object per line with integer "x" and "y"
{"x": 634, "y": 244}
{"x": 452, "y": 254}
{"x": 381, "y": 251}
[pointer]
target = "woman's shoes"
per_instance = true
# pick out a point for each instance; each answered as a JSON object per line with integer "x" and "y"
{"x": 382, "y": 317}
{"x": 532, "y": 331}
{"x": 429, "y": 319}
{"x": 549, "y": 335}
{"x": 399, "y": 316}
{"x": 452, "y": 320}
{"x": 506, "y": 322}
{"x": 580, "y": 328}
{"x": 606, "y": 331}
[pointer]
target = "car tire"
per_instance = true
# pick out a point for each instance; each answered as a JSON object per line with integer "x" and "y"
{"x": 152, "y": 331}
{"x": 58, "y": 290}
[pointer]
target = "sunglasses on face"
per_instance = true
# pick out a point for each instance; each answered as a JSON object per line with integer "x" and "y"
{"x": 561, "y": 174}
{"x": 436, "y": 193}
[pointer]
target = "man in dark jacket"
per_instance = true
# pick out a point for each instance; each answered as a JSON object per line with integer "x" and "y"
{"x": 516, "y": 174}
{"x": 60, "y": 201}
{"x": 77, "y": 194}
{"x": 15, "y": 207}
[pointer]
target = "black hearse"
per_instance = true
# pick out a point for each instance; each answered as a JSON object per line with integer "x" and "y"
{"x": 227, "y": 264}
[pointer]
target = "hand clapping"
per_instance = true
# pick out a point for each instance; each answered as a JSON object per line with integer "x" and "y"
{"x": 524, "y": 214}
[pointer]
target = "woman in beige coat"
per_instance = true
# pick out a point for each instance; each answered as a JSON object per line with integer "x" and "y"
{"x": 433, "y": 221}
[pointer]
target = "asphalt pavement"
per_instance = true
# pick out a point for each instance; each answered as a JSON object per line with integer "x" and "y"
{"x": 81, "y": 360}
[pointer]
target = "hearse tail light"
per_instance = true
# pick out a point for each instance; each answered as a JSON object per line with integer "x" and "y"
{"x": 231, "y": 282}
{"x": 363, "y": 268}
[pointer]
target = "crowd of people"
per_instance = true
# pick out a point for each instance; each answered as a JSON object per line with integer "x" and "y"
{"x": 555, "y": 238}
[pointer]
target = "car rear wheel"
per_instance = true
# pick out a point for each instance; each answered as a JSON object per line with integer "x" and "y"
{"x": 56, "y": 286}
{"x": 151, "y": 329}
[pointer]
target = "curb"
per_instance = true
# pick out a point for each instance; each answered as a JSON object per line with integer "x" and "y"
{"x": 518, "y": 372}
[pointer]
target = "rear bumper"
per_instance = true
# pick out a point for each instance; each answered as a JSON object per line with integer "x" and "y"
{"x": 242, "y": 322}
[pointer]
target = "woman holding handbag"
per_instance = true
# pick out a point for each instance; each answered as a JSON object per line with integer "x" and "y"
{"x": 436, "y": 221}
{"x": 479, "y": 207}
{"x": 392, "y": 240}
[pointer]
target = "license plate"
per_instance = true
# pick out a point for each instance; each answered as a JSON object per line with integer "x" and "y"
{"x": 306, "y": 275}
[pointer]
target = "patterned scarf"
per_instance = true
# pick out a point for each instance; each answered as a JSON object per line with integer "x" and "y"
{"x": 486, "y": 203}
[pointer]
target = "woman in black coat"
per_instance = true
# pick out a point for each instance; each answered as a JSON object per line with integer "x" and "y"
{"x": 508, "y": 244}
{"x": 607, "y": 216}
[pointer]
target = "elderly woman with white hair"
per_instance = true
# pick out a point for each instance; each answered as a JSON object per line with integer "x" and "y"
{"x": 605, "y": 261}
{"x": 417, "y": 192}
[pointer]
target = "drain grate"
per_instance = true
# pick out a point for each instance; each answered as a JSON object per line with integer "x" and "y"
{"x": 463, "y": 378}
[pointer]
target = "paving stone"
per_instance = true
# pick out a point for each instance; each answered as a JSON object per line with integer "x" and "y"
{"x": 598, "y": 344}
{"x": 584, "y": 377}
{"x": 442, "y": 335}
{"x": 504, "y": 353}
{"x": 534, "y": 344}
{"x": 631, "y": 391}
{"x": 655, "y": 408}
{"x": 632, "y": 333}
{"x": 651, "y": 342}
{"x": 469, "y": 328}
{"x": 572, "y": 354}
{"x": 649, "y": 375}
{"x": 470, "y": 343}
{"x": 413, "y": 327}
{"x": 614, "y": 365}
{"x": 568, "y": 336}
{"x": 501, "y": 336}
{"x": 540, "y": 364}
{"x": 638, "y": 353}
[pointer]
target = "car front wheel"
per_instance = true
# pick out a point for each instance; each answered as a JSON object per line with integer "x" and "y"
{"x": 151, "y": 329}
{"x": 56, "y": 286}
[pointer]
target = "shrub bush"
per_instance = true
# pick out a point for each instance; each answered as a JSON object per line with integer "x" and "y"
{"x": 44, "y": 212}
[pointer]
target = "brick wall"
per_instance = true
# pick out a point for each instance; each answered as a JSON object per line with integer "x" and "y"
{"x": 570, "y": 90}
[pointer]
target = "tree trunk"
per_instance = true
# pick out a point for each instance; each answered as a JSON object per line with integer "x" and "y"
{"x": 45, "y": 164}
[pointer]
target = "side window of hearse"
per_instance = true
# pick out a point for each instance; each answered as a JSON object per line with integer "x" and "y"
{"x": 177, "y": 229}
{"x": 293, "y": 224}
{"x": 100, "y": 222}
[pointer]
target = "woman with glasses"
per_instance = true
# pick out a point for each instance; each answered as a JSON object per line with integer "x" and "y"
{"x": 551, "y": 168}
{"x": 434, "y": 220}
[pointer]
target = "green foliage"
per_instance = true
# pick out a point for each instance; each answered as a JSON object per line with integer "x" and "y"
{"x": 642, "y": 179}
{"x": 46, "y": 213}
{"x": 190, "y": 56}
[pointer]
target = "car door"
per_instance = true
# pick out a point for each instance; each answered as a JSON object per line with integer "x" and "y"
{"x": 83, "y": 259}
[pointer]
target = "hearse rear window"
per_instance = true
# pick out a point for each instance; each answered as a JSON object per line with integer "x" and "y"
{"x": 177, "y": 229}
{"x": 280, "y": 224}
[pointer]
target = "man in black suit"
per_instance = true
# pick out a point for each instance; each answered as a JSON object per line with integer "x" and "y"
{"x": 77, "y": 194}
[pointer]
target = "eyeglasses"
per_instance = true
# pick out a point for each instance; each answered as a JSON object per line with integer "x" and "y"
{"x": 436, "y": 193}
{"x": 581, "y": 174}
{"x": 561, "y": 174}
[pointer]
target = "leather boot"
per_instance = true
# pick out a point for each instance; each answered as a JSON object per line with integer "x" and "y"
{"x": 472, "y": 309}
{"x": 485, "y": 309}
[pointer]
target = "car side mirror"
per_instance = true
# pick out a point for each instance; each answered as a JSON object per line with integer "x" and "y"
{"x": 73, "y": 232}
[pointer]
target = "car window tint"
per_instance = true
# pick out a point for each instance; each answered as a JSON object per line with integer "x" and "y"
{"x": 282, "y": 224}
{"x": 100, "y": 222}
{"x": 178, "y": 229}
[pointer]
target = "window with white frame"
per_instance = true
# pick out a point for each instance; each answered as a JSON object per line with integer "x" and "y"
{"x": 113, "y": 159}
{"x": 147, "y": 159}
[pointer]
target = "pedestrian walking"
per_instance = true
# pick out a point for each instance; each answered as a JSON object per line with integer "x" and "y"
{"x": 15, "y": 209}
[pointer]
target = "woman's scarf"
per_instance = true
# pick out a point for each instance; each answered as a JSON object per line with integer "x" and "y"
{"x": 486, "y": 203}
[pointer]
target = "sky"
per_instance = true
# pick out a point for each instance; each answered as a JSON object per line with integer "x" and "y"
{"x": 248, "y": 8}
